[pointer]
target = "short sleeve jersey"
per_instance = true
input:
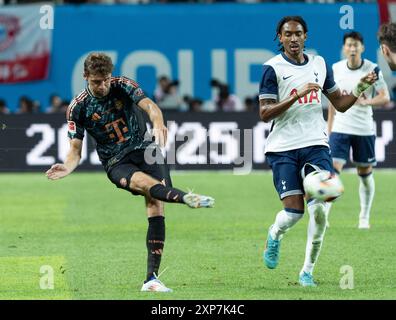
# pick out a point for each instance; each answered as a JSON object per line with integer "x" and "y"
{"x": 301, "y": 125}
{"x": 114, "y": 121}
{"x": 357, "y": 120}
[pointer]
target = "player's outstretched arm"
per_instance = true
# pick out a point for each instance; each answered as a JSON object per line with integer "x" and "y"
{"x": 343, "y": 102}
{"x": 155, "y": 114}
{"x": 61, "y": 170}
{"x": 270, "y": 109}
{"x": 381, "y": 99}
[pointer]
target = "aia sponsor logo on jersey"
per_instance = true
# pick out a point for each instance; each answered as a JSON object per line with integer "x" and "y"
{"x": 9, "y": 28}
{"x": 312, "y": 97}
{"x": 346, "y": 93}
{"x": 71, "y": 126}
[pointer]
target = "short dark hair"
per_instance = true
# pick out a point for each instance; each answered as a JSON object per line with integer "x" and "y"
{"x": 387, "y": 35}
{"x": 98, "y": 63}
{"x": 163, "y": 78}
{"x": 354, "y": 35}
{"x": 286, "y": 19}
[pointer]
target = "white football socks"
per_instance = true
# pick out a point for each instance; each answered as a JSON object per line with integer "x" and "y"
{"x": 366, "y": 194}
{"x": 316, "y": 230}
{"x": 283, "y": 222}
{"x": 328, "y": 207}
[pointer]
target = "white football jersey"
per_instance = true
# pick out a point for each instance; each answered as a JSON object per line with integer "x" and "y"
{"x": 358, "y": 120}
{"x": 302, "y": 125}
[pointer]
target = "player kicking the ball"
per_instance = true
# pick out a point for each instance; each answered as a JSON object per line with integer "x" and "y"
{"x": 355, "y": 128}
{"x": 290, "y": 97}
{"x": 109, "y": 110}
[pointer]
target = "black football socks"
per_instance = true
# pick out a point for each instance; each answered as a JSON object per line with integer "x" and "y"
{"x": 166, "y": 194}
{"x": 155, "y": 244}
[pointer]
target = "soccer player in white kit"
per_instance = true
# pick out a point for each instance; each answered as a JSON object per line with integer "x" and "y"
{"x": 355, "y": 128}
{"x": 290, "y": 97}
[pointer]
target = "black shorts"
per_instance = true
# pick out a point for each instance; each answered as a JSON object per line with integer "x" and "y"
{"x": 121, "y": 173}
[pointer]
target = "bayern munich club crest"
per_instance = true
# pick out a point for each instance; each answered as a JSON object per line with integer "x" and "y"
{"x": 9, "y": 28}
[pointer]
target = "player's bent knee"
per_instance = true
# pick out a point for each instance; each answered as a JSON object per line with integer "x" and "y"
{"x": 295, "y": 202}
{"x": 364, "y": 170}
{"x": 141, "y": 182}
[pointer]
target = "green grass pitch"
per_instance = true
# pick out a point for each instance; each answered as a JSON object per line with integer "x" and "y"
{"x": 92, "y": 236}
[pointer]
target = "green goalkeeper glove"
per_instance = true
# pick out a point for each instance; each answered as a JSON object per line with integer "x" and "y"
{"x": 360, "y": 88}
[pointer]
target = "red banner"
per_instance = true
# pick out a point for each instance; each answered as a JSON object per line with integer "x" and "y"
{"x": 387, "y": 10}
{"x": 25, "y": 43}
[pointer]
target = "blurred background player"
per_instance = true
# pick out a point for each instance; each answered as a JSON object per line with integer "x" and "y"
{"x": 355, "y": 127}
{"x": 107, "y": 110}
{"x": 3, "y": 107}
{"x": 298, "y": 144}
{"x": 387, "y": 40}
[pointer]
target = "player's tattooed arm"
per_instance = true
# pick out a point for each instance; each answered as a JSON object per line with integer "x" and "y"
{"x": 61, "y": 170}
{"x": 160, "y": 132}
{"x": 270, "y": 109}
{"x": 381, "y": 99}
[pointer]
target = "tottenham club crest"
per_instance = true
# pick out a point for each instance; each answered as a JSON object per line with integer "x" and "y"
{"x": 316, "y": 76}
{"x": 9, "y": 28}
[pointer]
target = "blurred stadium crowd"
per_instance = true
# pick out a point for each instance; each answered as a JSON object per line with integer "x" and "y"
{"x": 166, "y": 95}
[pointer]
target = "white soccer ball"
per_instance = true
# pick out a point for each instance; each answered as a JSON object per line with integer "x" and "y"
{"x": 323, "y": 185}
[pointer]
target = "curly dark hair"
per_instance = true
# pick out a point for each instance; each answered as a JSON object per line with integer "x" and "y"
{"x": 98, "y": 63}
{"x": 286, "y": 19}
{"x": 387, "y": 35}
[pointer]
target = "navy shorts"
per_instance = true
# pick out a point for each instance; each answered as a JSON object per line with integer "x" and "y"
{"x": 287, "y": 166}
{"x": 121, "y": 173}
{"x": 363, "y": 148}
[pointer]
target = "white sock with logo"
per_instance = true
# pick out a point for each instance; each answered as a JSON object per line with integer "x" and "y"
{"x": 284, "y": 221}
{"x": 316, "y": 230}
{"x": 366, "y": 194}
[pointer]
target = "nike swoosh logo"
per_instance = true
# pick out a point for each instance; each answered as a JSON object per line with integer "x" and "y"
{"x": 284, "y": 78}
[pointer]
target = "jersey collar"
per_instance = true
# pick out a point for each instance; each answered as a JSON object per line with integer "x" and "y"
{"x": 92, "y": 95}
{"x": 294, "y": 63}
{"x": 353, "y": 69}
